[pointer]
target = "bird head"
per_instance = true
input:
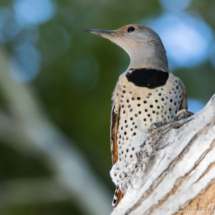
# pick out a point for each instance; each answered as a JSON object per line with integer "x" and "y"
{"x": 142, "y": 44}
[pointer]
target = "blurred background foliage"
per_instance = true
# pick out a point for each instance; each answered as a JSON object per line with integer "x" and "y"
{"x": 73, "y": 74}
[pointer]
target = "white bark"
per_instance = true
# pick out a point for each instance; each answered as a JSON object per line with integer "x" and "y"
{"x": 180, "y": 173}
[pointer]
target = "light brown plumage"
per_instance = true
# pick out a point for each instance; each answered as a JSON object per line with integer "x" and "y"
{"x": 162, "y": 104}
{"x": 145, "y": 93}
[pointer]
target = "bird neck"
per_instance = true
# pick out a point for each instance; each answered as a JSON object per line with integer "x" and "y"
{"x": 149, "y": 59}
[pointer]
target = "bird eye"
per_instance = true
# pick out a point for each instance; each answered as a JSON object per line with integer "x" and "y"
{"x": 130, "y": 29}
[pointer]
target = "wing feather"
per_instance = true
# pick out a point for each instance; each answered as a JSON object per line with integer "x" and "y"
{"x": 115, "y": 115}
{"x": 184, "y": 104}
{"x": 114, "y": 130}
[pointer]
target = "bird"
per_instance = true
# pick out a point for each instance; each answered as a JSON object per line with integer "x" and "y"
{"x": 146, "y": 93}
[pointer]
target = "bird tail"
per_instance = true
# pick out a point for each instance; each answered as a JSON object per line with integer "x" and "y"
{"x": 117, "y": 197}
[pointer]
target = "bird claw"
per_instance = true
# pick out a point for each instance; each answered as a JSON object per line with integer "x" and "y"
{"x": 157, "y": 125}
{"x": 183, "y": 114}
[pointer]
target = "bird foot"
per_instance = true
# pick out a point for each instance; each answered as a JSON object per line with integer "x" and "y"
{"x": 183, "y": 114}
{"x": 157, "y": 125}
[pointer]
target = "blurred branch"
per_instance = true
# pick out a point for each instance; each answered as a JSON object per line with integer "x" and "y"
{"x": 22, "y": 191}
{"x": 31, "y": 131}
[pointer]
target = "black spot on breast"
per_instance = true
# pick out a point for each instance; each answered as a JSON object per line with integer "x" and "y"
{"x": 149, "y": 78}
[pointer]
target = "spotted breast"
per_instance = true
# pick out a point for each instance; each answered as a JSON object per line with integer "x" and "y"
{"x": 142, "y": 97}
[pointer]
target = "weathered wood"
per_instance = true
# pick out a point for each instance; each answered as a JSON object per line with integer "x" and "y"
{"x": 178, "y": 175}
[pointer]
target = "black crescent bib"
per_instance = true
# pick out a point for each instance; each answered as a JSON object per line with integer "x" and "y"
{"x": 149, "y": 78}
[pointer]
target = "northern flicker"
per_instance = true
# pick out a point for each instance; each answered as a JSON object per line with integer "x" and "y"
{"x": 145, "y": 93}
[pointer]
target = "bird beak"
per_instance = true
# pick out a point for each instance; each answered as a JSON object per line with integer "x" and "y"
{"x": 102, "y": 33}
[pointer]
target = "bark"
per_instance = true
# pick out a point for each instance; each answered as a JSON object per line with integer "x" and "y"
{"x": 179, "y": 175}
